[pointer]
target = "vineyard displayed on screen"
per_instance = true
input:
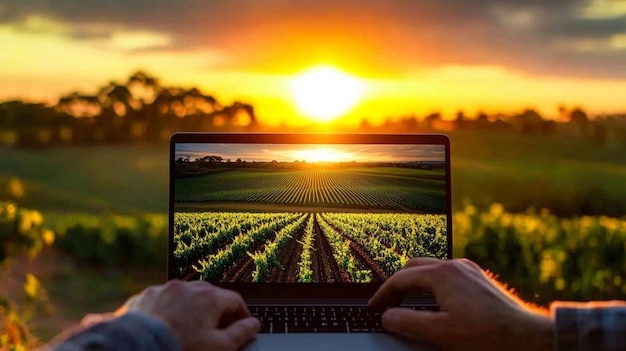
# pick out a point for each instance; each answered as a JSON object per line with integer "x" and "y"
{"x": 303, "y": 213}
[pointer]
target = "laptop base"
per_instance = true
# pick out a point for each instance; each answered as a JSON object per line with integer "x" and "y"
{"x": 331, "y": 342}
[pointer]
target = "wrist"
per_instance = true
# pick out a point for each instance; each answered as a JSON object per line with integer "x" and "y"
{"x": 538, "y": 332}
{"x": 156, "y": 326}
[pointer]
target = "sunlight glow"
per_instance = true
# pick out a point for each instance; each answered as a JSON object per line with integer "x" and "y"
{"x": 325, "y": 93}
{"x": 618, "y": 41}
{"x": 44, "y": 58}
{"x": 139, "y": 40}
{"x": 322, "y": 155}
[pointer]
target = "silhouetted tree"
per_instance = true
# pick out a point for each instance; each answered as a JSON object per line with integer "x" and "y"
{"x": 79, "y": 105}
{"x": 432, "y": 119}
{"x": 482, "y": 120}
{"x": 528, "y": 122}
{"x": 459, "y": 121}
{"x": 579, "y": 118}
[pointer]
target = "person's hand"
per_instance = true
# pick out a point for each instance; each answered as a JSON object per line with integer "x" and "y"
{"x": 476, "y": 312}
{"x": 200, "y": 315}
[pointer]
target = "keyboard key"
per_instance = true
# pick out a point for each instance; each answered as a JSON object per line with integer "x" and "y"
{"x": 321, "y": 319}
{"x": 360, "y": 330}
{"x": 328, "y": 329}
{"x": 278, "y": 328}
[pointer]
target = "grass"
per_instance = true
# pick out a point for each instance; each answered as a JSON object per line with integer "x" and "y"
{"x": 128, "y": 179}
{"x": 570, "y": 176}
{"x": 397, "y": 171}
{"x": 375, "y": 190}
{"x": 567, "y": 176}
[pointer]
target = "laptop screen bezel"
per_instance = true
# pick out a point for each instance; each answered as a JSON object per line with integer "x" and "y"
{"x": 303, "y": 290}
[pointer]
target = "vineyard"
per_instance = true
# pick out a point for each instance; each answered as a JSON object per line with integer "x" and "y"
{"x": 390, "y": 188}
{"x": 302, "y": 247}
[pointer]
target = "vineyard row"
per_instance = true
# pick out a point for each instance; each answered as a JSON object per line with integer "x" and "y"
{"x": 213, "y": 244}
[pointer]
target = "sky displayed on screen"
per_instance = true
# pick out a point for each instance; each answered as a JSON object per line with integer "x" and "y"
{"x": 313, "y": 152}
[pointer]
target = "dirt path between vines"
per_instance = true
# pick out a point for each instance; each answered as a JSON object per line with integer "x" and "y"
{"x": 364, "y": 260}
{"x": 325, "y": 268}
{"x": 289, "y": 258}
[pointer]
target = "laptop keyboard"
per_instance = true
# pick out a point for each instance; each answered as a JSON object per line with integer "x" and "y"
{"x": 320, "y": 319}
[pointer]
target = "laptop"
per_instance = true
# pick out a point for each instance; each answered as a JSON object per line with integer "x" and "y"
{"x": 306, "y": 227}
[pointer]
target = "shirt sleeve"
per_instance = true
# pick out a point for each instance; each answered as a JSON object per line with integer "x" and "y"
{"x": 590, "y": 326}
{"x": 132, "y": 331}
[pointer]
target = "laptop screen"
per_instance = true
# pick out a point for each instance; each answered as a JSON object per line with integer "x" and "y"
{"x": 261, "y": 208}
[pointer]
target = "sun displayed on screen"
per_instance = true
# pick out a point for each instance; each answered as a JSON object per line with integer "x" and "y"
{"x": 321, "y": 155}
{"x": 325, "y": 93}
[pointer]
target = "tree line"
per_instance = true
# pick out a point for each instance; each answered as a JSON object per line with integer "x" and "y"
{"x": 141, "y": 109}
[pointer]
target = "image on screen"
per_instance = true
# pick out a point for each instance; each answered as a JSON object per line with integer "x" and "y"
{"x": 294, "y": 213}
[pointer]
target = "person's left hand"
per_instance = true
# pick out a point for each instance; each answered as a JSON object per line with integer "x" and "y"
{"x": 200, "y": 315}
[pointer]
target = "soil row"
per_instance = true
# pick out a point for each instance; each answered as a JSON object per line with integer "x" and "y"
{"x": 323, "y": 266}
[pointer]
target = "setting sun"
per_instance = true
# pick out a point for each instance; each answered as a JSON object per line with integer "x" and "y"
{"x": 325, "y": 93}
{"x": 322, "y": 155}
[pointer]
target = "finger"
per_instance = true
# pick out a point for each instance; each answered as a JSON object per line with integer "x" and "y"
{"x": 240, "y": 333}
{"x": 231, "y": 307}
{"x": 470, "y": 267}
{"x": 200, "y": 284}
{"x": 129, "y": 304}
{"x": 417, "y": 325}
{"x": 94, "y": 318}
{"x": 421, "y": 261}
{"x": 401, "y": 284}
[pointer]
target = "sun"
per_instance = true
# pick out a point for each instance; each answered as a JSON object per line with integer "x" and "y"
{"x": 322, "y": 154}
{"x": 325, "y": 92}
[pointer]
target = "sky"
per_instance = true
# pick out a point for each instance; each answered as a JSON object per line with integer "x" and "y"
{"x": 410, "y": 57}
{"x": 312, "y": 153}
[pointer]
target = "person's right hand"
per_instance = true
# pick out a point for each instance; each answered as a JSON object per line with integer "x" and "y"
{"x": 476, "y": 312}
{"x": 200, "y": 315}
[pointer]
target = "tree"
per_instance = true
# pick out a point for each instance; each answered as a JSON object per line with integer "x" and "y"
{"x": 140, "y": 109}
{"x": 529, "y": 121}
{"x": 210, "y": 159}
{"x": 579, "y": 118}
{"x": 79, "y": 105}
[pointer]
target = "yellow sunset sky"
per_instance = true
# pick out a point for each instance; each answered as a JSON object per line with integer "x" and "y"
{"x": 408, "y": 57}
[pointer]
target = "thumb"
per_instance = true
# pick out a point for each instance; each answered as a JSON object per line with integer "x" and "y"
{"x": 416, "y": 325}
{"x": 241, "y": 332}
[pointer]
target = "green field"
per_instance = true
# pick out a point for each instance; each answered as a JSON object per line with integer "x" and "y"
{"x": 120, "y": 179}
{"x": 392, "y": 189}
{"x": 568, "y": 175}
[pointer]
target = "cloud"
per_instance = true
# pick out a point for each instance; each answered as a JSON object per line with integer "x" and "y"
{"x": 587, "y": 28}
{"x": 604, "y": 9}
{"x": 139, "y": 40}
{"x": 375, "y": 36}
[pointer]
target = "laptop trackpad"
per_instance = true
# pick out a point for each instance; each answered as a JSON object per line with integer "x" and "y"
{"x": 321, "y": 341}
